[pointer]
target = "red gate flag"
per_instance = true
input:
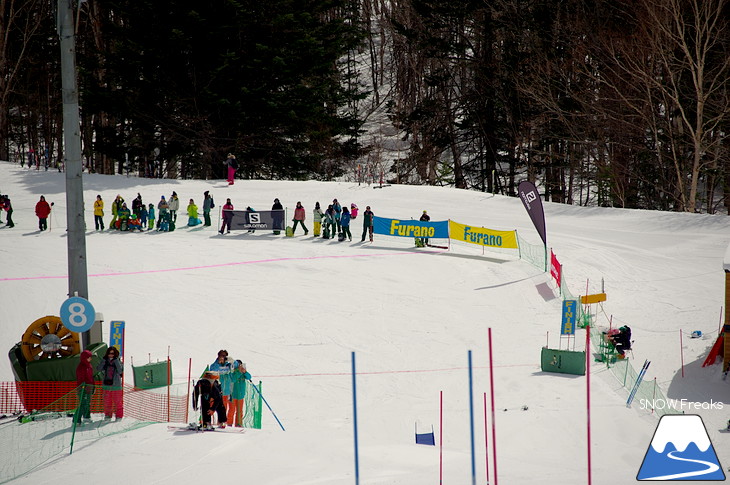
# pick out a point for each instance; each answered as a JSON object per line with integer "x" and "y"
{"x": 532, "y": 202}
{"x": 555, "y": 268}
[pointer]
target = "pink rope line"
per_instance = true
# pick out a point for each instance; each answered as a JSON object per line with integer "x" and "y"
{"x": 412, "y": 371}
{"x": 220, "y": 265}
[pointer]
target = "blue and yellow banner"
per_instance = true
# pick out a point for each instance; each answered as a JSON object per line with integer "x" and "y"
{"x": 482, "y": 236}
{"x": 410, "y": 228}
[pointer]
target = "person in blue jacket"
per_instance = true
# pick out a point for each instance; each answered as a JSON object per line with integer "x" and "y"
{"x": 345, "y": 224}
{"x": 239, "y": 376}
{"x": 223, "y": 366}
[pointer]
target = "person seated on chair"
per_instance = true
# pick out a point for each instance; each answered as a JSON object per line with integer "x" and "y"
{"x": 622, "y": 340}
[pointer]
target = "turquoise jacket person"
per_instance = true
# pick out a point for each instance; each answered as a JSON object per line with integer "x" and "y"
{"x": 238, "y": 378}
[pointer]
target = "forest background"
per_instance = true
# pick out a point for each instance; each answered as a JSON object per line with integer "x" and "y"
{"x": 622, "y": 103}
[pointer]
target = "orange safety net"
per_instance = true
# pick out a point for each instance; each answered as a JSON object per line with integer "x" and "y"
{"x": 144, "y": 405}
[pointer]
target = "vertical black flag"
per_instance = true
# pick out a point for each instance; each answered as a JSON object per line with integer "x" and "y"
{"x": 533, "y": 204}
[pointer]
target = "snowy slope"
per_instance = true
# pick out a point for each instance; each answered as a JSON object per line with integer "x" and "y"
{"x": 295, "y": 309}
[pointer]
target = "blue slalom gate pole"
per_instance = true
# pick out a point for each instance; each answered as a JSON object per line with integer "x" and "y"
{"x": 471, "y": 425}
{"x": 354, "y": 420}
{"x": 267, "y": 405}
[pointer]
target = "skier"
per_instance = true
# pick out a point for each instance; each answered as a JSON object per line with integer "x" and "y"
{"x": 99, "y": 213}
{"x": 112, "y": 370}
{"x": 207, "y": 390}
{"x": 299, "y": 216}
{"x": 367, "y": 224}
{"x": 42, "y": 210}
{"x": 622, "y": 341}
{"x": 227, "y": 216}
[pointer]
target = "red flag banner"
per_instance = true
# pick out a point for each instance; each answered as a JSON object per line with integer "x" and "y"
{"x": 556, "y": 268}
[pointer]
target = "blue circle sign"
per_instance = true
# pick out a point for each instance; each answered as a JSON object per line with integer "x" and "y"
{"x": 77, "y": 314}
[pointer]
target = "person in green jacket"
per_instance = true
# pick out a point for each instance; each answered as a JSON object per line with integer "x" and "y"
{"x": 193, "y": 219}
{"x": 123, "y": 212}
{"x": 367, "y": 224}
{"x": 238, "y": 378}
{"x": 116, "y": 205}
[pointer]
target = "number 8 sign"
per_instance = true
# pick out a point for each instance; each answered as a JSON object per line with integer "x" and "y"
{"x": 77, "y": 314}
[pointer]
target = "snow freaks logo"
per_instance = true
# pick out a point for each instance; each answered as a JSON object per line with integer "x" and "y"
{"x": 680, "y": 405}
{"x": 681, "y": 450}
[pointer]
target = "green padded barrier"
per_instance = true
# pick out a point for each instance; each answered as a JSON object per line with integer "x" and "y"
{"x": 150, "y": 376}
{"x": 563, "y": 361}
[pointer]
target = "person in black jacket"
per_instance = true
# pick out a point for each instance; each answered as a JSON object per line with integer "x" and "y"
{"x": 208, "y": 391}
{"x": 277, "y": 216}
{"x": 622, "y": 341}
{"x": 424, "y": 218}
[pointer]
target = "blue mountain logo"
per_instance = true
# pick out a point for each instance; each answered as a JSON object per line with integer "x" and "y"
{"x": 681, "y": 450}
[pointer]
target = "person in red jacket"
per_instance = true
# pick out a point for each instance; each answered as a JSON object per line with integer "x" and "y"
{"x": 42, "y": 210}
{"x": 85, "y": 383}
{"x": 299, "y": 216}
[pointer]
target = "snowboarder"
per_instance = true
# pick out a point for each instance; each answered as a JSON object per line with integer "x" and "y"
{"x": 151, "y": 216}
{"x": 223, "y": 366}
{"x": 162, "y": 204}
{"x": 338, "y": 213}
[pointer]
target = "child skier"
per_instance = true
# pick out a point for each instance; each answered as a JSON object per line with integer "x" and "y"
{"x": 208, "y": 391}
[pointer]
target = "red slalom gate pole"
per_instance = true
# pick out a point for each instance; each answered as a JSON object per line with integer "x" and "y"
{"x": 588, "y": 397}
{"x": 187, "y": 407}
{"x": 491, "y": 386}
{"x": 486, "y": 440}
{"x": 441, "y": 437}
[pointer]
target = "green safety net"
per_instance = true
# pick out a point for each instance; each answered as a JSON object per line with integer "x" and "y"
{"x": 533, "y": 254}
{"x": 38, "y": 437}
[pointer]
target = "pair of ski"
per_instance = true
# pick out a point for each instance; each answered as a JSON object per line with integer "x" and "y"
{"x": 637, "y": 384}
{"x": 198, "y": 428}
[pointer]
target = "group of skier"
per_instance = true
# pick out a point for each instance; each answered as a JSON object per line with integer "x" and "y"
{"x": 221, "y": 392}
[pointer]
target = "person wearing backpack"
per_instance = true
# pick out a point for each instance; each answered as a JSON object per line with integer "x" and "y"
{"x": 208, "y": 204}
{"x": 112, "y": 370}
{"x": 232, "y": 165}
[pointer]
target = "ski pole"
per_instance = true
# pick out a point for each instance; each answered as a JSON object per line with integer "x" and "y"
{"x": 267, "y": 405}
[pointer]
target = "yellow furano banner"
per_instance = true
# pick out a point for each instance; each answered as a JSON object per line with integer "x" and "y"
{"x": 483, "y": 236}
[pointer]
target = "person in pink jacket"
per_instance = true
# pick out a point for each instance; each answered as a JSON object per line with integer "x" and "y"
{"x": 299, "y": 216}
